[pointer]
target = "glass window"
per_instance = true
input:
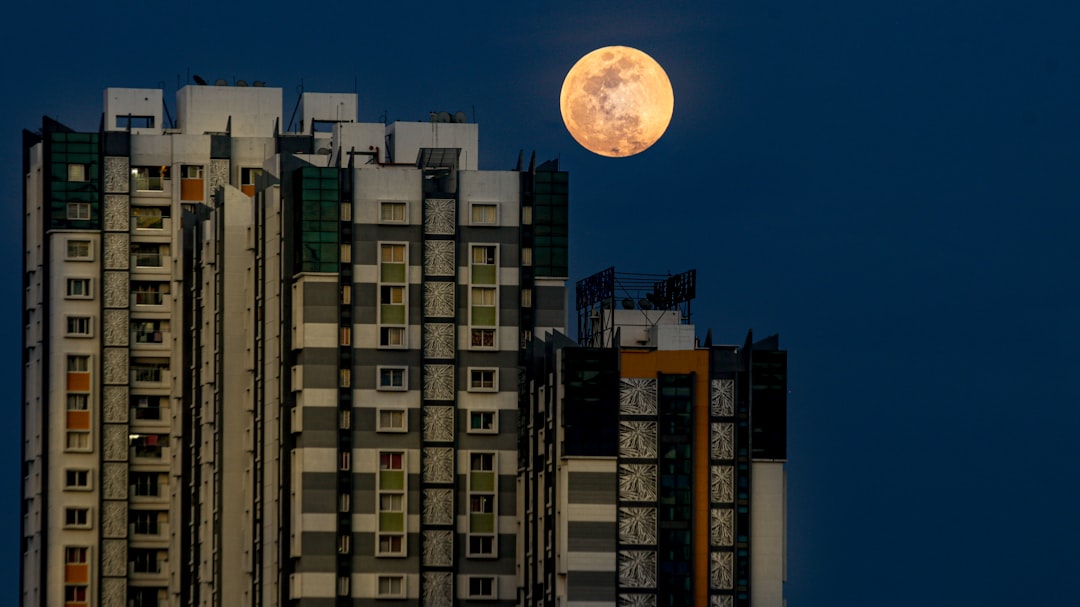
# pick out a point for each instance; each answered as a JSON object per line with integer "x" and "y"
{"x": 392, "y": 420}
{"x": 191, "y": 171}
{"x": 391, "y": 586}
{"x": 149, "y": 178}
{"x": 78, "y": 364}
{"x": 390, "y": 461}
{"x": 392, "y": 212}
{"x": 77, "y": 479}
{"x": 78, "y": 172}
{"x": 78, "y": 288}
{"x": 481, "y": 421}
{"x": 392, "y": 378}
{"x": 484, "y": 214}
{"x": 78, "y": 326}
{"x": 77, "y": 517}
{"x": 481, "y": 587}
{"x": 482, "y": 380}
{"x": 78, "y": 211}
{"x": 78, "y": 249}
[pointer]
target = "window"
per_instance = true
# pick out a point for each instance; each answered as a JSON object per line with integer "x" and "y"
{"x": 392, "y": 336}
{"x": 74, "y": 595}
{"x": 150, "y": 373}
{"x": 78, "y": 211}
{"x": 78, "y": 288}
{"x": 78, "y": 172}
{"x": 481, "y": 545}
{"x": 149, "y": 179}
{"x": 393, "y": 254}
{"x": 390, "y": 461}
{"x": 526, "y": 216}
{"x": 78, "y": 402}
{"x": 78, "y": 364}
{"x": 78, "y": 326}
{"x": 191, "y": 171}
{"x": 146, "y": 407}
{"x": 78, "y": 249}
{"x": 149, "y": 446}
{"x": 484, "y": 214}
{"x": 344, "y": 378}
{"x": 390, "y": 544}
{"x": 148, "y": 255}
{"x": 481, "y": 587}
{"x": 144, "y": 522}
{"x": 148, "y": 218}
{"x": 144, "y": 560}
{"x": 77, "y": 440}
{"x": 145, "y": 484}
{"x": 343, "y": 582}
{"x": 482, "y": 422}
{"x": 483, "y": 338}
{"x": 391, "y": 502}
{"x": 392, "y": 420}
{"x": 248, "y": 177}
{"x": 77, "y": 517}
{"x": 150, "y": 293}
{"x": 482, "y": 504}
{"x": 134, "y": 122}
{"x": 483, "y": 380}
{"x": 392, "y": 212}
{"x": 526, "y": 297}
{"x": 77, "y": 479}
{"x": 344, "y": 544}
{"x": 392, "y": 378}
{"x": 391, "y": 587}
{"x": 526, "y": 256}
{"x": 344, "y": 419}
{"x": 149, "y": 331}
{"x": 482, "y": 462}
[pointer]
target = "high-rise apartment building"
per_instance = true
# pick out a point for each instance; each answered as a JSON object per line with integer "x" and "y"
{"x": 274, "y": 366}
{"x": 652, "y": 466}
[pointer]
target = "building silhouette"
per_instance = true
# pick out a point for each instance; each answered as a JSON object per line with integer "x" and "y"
{"x": 308, "y": 362}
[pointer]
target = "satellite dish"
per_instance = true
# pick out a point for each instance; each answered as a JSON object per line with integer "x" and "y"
{"x": 628, "y": 303}
{"x": 241, "y": 83}
{"x": 221, "y": 82}
{"x": 198, "y": 80}
{"x": 644, "y": 304}
{"x": 459, "y": 117}
{"x": 323, "y": 151}
{"x": 258, "y": 83}
{"x": 444, "y": 116}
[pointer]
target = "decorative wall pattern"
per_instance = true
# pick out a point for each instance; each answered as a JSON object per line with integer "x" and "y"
{"x": 438, "y": 507}
{"x": 722, "y": 399}
{"x": 439, "y": 216}
{"x": 439, "y": 296}
{"x": 439, "y": 258}
{"x": 722, "y": 527}
{"x": 219, "y": 175}
{"x": 637, "y": 439}
{"x": 438, "y": 548}
{"x": 115, "y": 364}
{"x": 637, "y": 569}
{"x": 117, "y": 251}
{"x": 438, "y": 589}
{"x": 637, "y": 600}
{"x": 637, "y": 526}
{"x": 637, "y": 396}
{"x": 116, "y": 327}
{"x": 637, "y": 482}
{"x": 113, "y": 591}
{"x": 114, "y": 561}
{"x": 721, "y": 484}
{"x": 438, "y": 465}
{"x": 439, "y": 424}
{"x": 720, "y": 570}
{"x": 439, "y": 382}
{"x": 723, "y": 440}
{"x": 115, "y": 404}
{"x": 721, "y": 600}
{"x": 439, "y": 340}
{"x": 117, "y": 215}
{"x": 114, "y": 442}
{"x": 117, "y": 174}
{"x": 117, "y": 290}
{"x": 114, "y": 519}
{"x": 114, "y": 481}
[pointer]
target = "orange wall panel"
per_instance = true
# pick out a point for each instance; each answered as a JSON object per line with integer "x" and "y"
{"x": 191, "y": 189}
{"x": 78, "y": 420}
{"x": 76, "y": 574}
{"x": 78, "y": 382}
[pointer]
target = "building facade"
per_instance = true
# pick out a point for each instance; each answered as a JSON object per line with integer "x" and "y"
{"x": 268, "y": 366}
{"x": 653, "y": 467}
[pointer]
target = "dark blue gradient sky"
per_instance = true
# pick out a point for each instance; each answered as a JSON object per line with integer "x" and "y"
{"x": 894, "y": 187}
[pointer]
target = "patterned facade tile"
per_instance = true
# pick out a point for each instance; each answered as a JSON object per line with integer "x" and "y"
{"x": 722, "y": 398}
{"x": 721, "y": 574}
{"x": 721, "y": 600}
{"x": 438, "y": 589}
{"x": 117, "y": 175}
{"x": 438, "y": 548}
{"x": 117, "y": 290}
{"x": 114, "y": 404}
{"x": 439, "y": 297}
{"x": 114, "y": 590}
{"x": 637, "y": 396}
{"x": 114, "y": 481}
{"x": 637, "y": 600}
{"x": 114, "y": 519}
{"x": 438, "y": 507}
{"x": 637, "y": 440}
{"x": 637, "y": 482}
{"x": 117, "y": 247}
{"x": 439, "y": 382}
{"x": 722, "y": 484}
{"x": 439, "y": 424}
{"x": 722, "y": 527}
{"x": 218, "y": 175}
{"x": 438, "y": 465}
{"x": 637, "y": 569}
{"x": 440, "y": 216}
{"x": 439, "y": 340}
{"x": 114, "y": 561}
{"x": 116, "y": 327}
{"x": 114, "y": 442}
{"x": 117, "y": 214}
{"x": 115, "y": 365}
{"x": 439, "y": 258}
{"x": 722, "y": 440}
{"x": 637, "y": 526}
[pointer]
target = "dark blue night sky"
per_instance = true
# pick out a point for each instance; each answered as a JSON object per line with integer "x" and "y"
{"x": 894, "y": 187}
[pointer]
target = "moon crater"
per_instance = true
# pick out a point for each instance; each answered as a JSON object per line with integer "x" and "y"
{"x": 616, "y": 101}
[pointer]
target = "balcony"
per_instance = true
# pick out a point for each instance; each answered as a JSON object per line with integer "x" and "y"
{"x": 150, "y": 375}
{"x": 145, "y": 339}
{"x": 148, "y": 225}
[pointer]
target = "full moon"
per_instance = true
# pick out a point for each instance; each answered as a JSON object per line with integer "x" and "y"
{"x": 616, "y": 101}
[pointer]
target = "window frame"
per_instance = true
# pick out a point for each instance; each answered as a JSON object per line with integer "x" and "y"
{"x": 87, "y": 321}
{"x": 484, "y": 206}
{"x": 77, "y": 512}
{"x": 87, "y": 288}
{"x": 78, "y": 211}
{"x": 477, "y": 381}
{"x": 479, "y": 413}
{"x": 86, "y": 477}
{"x": 390, "y": 387}
{"x": 390, "y": 594}
{"x": 394, "y": 205}
{"x": 493, "y": 591}
{"x": 380, "y": 427}
{"x": 89, "y": 256}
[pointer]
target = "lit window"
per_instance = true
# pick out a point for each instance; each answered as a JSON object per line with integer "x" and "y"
{"x": 77, "y": 440}
{"x": 78, "y": 364}
{"x": 526, "y": 215}
{"x": 526, "y": 256}
{"x": 393, "y": 253}
{"x": 78, "y": 326}
{"x": 150, "y": 331}
{"x": 343, "y": 582}
{"x": 391, "y": 587}
{"x": 248, "y": 175}
{"x": 78, "y": 172}
{"x": 78, "y": 249}
{"x": 149, "y": 179}
{"x": 484, "y": 214}
{"x": 392, "y": 420}
{"x": 345, "y": 338}
{"x": 482, "y": 421}
{"x": 78, "y": 211}
{"x": 483, "y": 255}
{"x": 481, "y": 587}
{"x": 344, "y": 378}
{"x": 482, "y": 380}
{"x": 77, "y": 517}
{"x": 483, "y": 296}
{"x": 392, "y": 378}
{"x": 392, "y": 212}
{"x": 77, "y": 479}
{"x": 148, "y": 218}
{"x": 78, "y": 288}
{"x": 392, "y": 295}
{"x": 526, "y": 297}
